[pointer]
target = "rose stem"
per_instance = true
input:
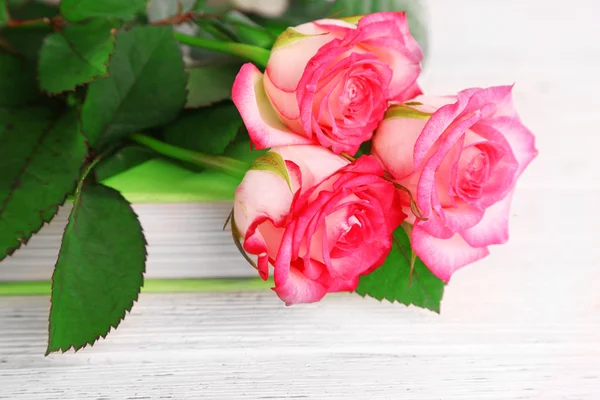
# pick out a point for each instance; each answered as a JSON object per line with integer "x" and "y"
{"x": 228, "y": 165}
{"x": 257, "y": 55}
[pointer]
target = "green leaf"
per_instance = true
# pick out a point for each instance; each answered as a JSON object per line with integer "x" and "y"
{"x": 145, "y": 87}
{"x": 207, "y": 130}
{"x": 77, "y": 10}
{"x": 365, "y": 148}
{"x": 122, "y": 160}
{"x": 210, "y": 84}
{"x": 27, "y": 9}
{"x": 40, "y": 160}
{"x": 394, "y": 281}
{"x": 75, "y": 56}
{"x": 4, "y": 16}
{"x": 100, "y": 268}
{"x": 272, "y": 162}
{"x": 17, "y": 81}
{"x": 27, "y": 42}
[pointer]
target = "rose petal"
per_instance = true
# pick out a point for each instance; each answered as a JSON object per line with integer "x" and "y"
{"x": 287, "y": 63}
{"x": 435, "y": 127}
{"x": 285, "y": 103}
{"x": 394, "y": 142}
{"x": 335, "y": 25}
{"x": 290, "y": 284}
{"x": 387, "y": 35}
{"x": 264, "y": 126}
{"x": 493, "y": 228}
{"x": 400, "y": 21}
{"x": 340, "y": 285}
{"x": 427, "y": 185}
{"x": 520, "y": 139}
{"x": 262, "y": 203}
{"x": 315, "y": 162}
{"x": 462, "y": 216}
{"x": 498, "y": 96}
{"x": 443, "y": 257}
{"x": 261, "y": 194}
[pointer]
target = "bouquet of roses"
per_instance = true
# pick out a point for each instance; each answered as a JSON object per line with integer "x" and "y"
{"x": 351, "y": 179}
{"x": 368, "y": 183}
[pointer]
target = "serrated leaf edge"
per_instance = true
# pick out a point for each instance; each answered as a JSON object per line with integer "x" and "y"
{"x": 25, "y": 238}
{"x": 112, "y": 34}
{"x": 134, "y": 300}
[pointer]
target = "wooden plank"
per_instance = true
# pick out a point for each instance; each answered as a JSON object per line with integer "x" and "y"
{"x": 248, "y": 345}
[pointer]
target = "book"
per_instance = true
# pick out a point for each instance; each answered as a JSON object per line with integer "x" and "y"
{"x": 185, "y": 240}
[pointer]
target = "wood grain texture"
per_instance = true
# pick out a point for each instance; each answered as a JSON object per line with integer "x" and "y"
{"x": 249, "y": 345}
{"x": 522, "y": 324}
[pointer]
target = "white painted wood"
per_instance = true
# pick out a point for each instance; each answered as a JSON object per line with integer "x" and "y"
{"x": 522, "y": 324}
{"x": 250, "y": 346}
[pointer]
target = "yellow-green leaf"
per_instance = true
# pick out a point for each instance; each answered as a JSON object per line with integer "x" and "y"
{"x": 272, "y": 162}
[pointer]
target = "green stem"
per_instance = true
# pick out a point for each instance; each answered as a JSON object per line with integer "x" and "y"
{"x": 257, "y": 55}
{"x": 227, "y": 165}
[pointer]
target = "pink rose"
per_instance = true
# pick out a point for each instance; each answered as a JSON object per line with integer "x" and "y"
{"x": 461, "y": 157}
{"x": 319, "y": 220}
{"x": 329, "y": 82}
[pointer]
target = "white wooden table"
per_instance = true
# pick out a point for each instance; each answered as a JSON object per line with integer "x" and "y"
{"x": 522, "y": 324}
{"x": 250, "y": 346}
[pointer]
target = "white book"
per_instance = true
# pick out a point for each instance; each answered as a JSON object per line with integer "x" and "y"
{"x": 185, "y": 240}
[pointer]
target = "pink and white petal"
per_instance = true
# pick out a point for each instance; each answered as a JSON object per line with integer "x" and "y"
{"x": 295, "y": 288}
{"x": 409, "y": 93}
{"x": 406, "y": 69}
{"x": 360, "y": 261}
{"x": 443, "y": 257}
{"x": 285, "y": 103}
{"x": 435, "y": 127}
{"x": 290, "y": 284}
{"x": 264, "y": 126}
{"x": 261, "y": 194}
{"x": 497, "y": 96}
{"x": 340, "y": 285}
{"x": 272, "y": 236}
{"x": 255, "y": 243}
{"x": 320, "y": 64}
{"x": 337, "y": 27}
{"x": 287, "y": 63}
{"x": 463, "y": 216}
{"x": 394, "y": 142}
{"x": 315, "y": 162}
{"x": 493, "y": 228}
{"x": 435, "y": 226}
{"x": 427, "y": 184}
{"x": 400, "y": 22}
{"x": 520, "y": 139}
